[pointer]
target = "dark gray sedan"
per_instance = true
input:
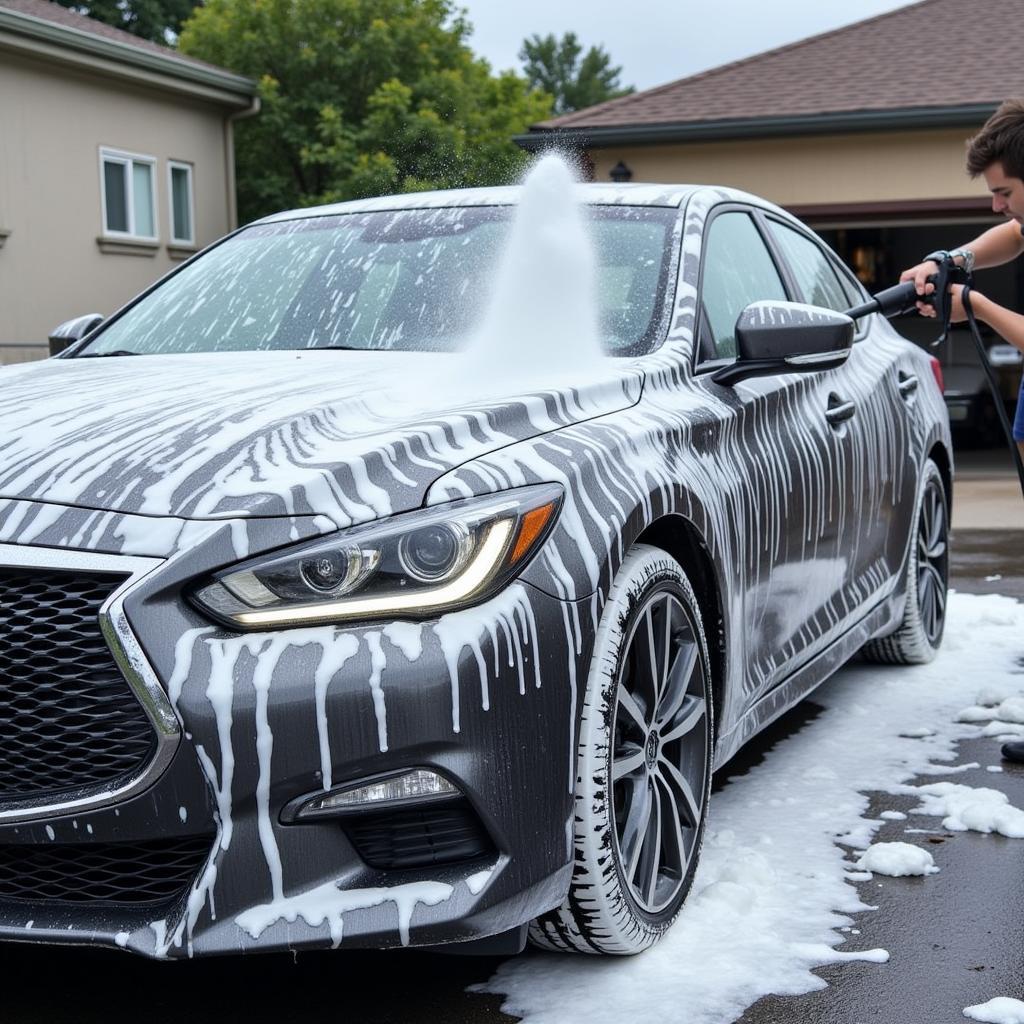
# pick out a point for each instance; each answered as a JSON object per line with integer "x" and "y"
{"x": 303, "y": 646}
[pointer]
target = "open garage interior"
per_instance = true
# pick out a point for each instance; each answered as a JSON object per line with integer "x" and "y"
{"x": 878, "y": 252}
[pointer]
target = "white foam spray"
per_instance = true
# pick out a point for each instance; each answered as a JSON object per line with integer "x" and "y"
{"x": 542, "y": 315}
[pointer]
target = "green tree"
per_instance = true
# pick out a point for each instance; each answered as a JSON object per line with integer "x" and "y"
{"x": 362, "y": 97}
{"x": 555, "y": 67}
{"x": 157, "y": 20}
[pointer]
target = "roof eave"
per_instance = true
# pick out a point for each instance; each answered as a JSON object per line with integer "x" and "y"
{"x": 596, "y": 137}
{"x": 75, "y": 46}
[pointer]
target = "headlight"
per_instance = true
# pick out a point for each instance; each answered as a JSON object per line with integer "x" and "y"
{"x": 415, "y": 565}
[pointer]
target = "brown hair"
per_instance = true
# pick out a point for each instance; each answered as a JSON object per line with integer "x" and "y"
{"x": 1001, "y": 140}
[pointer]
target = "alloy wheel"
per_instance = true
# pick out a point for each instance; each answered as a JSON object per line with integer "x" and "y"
{"x": 932, "y": 560}
{"x": 659, "y": 759}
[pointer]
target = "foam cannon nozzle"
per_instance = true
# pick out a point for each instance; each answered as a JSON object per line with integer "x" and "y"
{"x": 902, "y": 298}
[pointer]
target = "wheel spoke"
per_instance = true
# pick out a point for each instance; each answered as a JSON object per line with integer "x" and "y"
{"x": 933, "y": 526}
{"x": 628, "y": 703}
{"x": 933, "y": 599}
{"x": 673, "y": 841}
{"x": 628, "y": 759}
{"x": 637, "y": 820}
{"x": 682, "y": 791}
{"x": 927, "y": 603}
{"x": 652, "y": 851}
{"x": 692, "y": 714}
{"x": 940, "y": 589}
{"x": 644, "y": 656}
{"x": 925, "y": 581}
{"x": 678, "y": 683}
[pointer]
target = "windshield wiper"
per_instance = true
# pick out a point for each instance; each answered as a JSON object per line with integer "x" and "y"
{"x": 103, "y": 355}
{"x": 344, "y": 348}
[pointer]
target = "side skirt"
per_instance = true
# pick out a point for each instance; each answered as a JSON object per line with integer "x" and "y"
{"x": 780, "y": 699}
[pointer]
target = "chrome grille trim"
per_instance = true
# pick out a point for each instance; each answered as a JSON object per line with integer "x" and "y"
{"x": 132, "y": 662}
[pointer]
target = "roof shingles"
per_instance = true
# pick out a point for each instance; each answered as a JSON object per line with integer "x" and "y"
{"x": 889, "y": 62}
{"x": 47, "y": 10}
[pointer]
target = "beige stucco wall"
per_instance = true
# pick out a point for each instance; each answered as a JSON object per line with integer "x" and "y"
{"x": 52, "y": 124}
{"x": 859, "y": 167}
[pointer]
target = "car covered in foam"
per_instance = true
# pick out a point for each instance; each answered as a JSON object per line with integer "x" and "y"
{"x": 318, "y": 630}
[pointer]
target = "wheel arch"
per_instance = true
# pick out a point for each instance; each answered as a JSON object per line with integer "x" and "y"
{"x": 940, "y": 456}
{"x": 679, "y": 537}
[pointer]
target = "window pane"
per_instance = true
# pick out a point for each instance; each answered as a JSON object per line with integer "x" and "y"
{"x": 409, "y": 280}
{"x": 814, "y": 273}
{"x": 632, "y": 261}
{"x": 115, "y": 194}
{"x": 738, "y": 270}
{"x": 181, "y": 205}
{"x": 142, "y": 199}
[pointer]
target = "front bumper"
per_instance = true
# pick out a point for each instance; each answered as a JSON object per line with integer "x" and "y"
{"x": 487, "y": 697}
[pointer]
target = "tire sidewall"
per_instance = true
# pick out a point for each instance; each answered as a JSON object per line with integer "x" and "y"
{"x": 644, "y": 571}
{"x": 912, "y": 619}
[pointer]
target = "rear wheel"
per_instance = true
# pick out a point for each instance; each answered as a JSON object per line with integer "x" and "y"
{"x": 917, "y": 639}
{"x": 643, "y": 765}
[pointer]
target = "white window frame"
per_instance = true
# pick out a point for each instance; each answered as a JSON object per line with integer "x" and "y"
{"x": 189, "y": 169}
{"x": 123, "y": 157}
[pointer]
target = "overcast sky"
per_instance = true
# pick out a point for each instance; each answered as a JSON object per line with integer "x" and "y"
{"x": 657, "y": 41}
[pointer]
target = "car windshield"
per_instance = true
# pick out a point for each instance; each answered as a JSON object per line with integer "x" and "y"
{"x": 408, "y": 280}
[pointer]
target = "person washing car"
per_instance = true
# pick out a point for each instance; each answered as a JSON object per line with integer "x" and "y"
{"x": 996, "y": 153}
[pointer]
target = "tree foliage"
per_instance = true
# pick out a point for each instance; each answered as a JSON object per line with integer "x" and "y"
{"x": 362, "y": 97}
{"x": 156, "y": 20}
{"x": 557, "y": 67}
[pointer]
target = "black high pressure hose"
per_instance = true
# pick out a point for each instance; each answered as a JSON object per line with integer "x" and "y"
{"x": 902, "y": 298}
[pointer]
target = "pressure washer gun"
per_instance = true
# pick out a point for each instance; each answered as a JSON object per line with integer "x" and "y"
{"x": 903, "y": 298}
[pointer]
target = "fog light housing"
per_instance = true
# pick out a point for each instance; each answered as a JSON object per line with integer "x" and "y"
{"x": 412, "y": 787}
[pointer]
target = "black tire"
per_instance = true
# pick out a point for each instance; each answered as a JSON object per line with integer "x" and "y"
{"x": 918, "y": 637}
{"x": 648, "y": 712}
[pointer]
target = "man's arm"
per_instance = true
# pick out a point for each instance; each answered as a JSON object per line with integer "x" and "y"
{"x": 996, "y": 246}
{"x": 1003, "y": 321}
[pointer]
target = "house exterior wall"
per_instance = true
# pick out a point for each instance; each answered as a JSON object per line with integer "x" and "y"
{"x": 53, "y": 122}
{"x": 812, "y": 169}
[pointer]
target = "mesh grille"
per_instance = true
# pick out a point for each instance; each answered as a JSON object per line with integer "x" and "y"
{"x": 68, "y": 719}
{"x": 420, "y": 836}
{"x": 95, "y": 873}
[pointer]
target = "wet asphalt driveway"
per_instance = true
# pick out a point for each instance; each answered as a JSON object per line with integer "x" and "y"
{"x": 948, "y": 952}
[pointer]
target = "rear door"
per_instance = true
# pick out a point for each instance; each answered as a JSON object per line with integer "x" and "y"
{"x": 870, "y": 449}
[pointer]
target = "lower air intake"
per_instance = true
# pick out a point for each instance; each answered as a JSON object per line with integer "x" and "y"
{"x": 421, "y": 836}
{"x": 116, "y": 874}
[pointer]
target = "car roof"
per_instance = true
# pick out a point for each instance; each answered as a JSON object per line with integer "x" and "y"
{"x": 597, "y": 193}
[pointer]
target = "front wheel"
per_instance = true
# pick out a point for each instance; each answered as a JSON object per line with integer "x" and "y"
{"x": 916, "y": 640}
{"x": 643, "y": 765}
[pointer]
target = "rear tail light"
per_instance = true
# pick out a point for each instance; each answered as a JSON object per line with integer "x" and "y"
{"x": 937, "y": 374}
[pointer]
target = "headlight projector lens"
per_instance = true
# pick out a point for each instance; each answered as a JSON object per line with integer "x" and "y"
{"x": 434, "y": 552}
{"x": 326, "y": 572}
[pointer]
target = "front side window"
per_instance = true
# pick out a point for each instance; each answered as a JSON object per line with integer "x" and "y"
{"x": 180, "y": 191}
{"x": 129, "y": 206}
{"x": 737, "y": 270}
{"x": 399, "y": 279}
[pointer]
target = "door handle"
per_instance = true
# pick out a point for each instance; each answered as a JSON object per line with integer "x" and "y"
{"x": 839, "y": 411}
{"x": 907, "y": 384}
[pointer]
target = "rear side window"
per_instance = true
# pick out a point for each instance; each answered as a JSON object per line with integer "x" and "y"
{"x": 738, "y": 270}
{"x": 816, "y": 277}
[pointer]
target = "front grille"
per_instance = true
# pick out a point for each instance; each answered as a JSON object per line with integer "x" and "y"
{"x": 68, "y": 719}
{"x": 101, "y": 873}
{"x": 420, "y": 836}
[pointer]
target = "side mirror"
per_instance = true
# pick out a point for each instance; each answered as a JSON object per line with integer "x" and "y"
{"x": 787, "y": 337}
{"x": 70, "y": 331}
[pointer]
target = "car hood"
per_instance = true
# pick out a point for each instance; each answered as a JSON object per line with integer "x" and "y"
{"x": 351, "y": 435}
